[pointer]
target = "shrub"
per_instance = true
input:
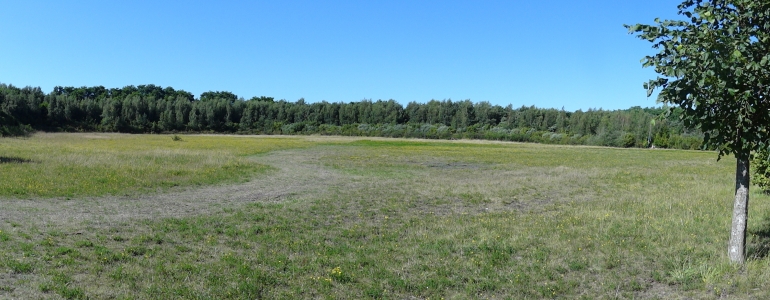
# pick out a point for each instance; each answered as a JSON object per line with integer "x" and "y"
{"x": 629, "y": 140}
{"x": 760, "y": 167}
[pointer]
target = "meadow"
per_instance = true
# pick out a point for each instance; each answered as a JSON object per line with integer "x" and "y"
{"x": 116, "y": 216}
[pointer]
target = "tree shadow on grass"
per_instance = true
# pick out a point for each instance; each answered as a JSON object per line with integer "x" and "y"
{"x": 14, "y": 160}
{"x": 758, "y": 240}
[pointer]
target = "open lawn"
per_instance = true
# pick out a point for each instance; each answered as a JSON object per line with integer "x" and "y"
{"x": 113, "y": 216}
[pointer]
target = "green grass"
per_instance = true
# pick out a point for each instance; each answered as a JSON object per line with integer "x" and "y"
{"x": 69, "y": 165}
{"x": 400, "y": 219}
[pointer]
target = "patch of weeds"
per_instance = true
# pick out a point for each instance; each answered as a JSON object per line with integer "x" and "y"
{"x": 637, "y": 286}
{"x": 4, "y": 237}
{"x": 136, "y": 250}
{"x": 337, "y": 275}
{"x": 474, "y": 198}
{"x": 685, "y": 276}
{"x": 150, "y": 239}
{"x": 190, "y": 268}
{"x": 758, "y": 246}
{"x": 71, "y": 292}
{"x": 118, "y": 238}
{"x": 46, "y": 287}
{"x": 67, "y": 261}
{"x": 27, "y": 248}
{"x": 253, "y": 289}
{"x": 56, "y": 233}
{"x": 48, "y": 242}
{"x": 577, "y": 265}
{"x": 182, "y": 248}
{"x": 611, "y": 261}
{"x": 62, "y": 285}
{"x": 6, "y": 288}
{"x": 84, "y": 244}
{"x": 232, "y": 260}
{"x": 19, "y": 267}
{"x": 497, "y": 252}
{"x": 375, "y": 293}
{"x": 107, "y": 256}
{"x": 658, "y": 276}
{"x": 161, "y": 269}
{"x": 61, "y": 251}
{"x": 118, "y": 274}
{"x": 551, "y": 289}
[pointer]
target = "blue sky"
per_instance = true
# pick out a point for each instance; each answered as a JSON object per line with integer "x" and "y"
{"x": 551, "y": 54}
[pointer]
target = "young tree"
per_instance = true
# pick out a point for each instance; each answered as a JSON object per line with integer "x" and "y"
{"x": 714, "y": 65}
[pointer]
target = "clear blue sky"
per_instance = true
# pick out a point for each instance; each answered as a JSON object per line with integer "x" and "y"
{"x": 571, "y": 54}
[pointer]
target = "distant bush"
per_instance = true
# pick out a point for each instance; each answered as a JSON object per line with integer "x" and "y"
{"x": 18, "y": 130}
{"x": 629, "y": 140}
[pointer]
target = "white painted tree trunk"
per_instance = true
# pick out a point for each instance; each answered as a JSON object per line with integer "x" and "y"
{"x": 737, "y": 247}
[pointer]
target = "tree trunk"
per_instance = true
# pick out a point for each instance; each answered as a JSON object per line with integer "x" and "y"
{"x": 737, "y": 247}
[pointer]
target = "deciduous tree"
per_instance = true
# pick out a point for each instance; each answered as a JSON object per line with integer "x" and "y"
{"x": 714, "y": 65}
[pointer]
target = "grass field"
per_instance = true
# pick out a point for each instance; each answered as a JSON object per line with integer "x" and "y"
{"x": 109, "y": 216}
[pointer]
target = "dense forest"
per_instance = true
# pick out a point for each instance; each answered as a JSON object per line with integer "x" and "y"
{"x": 154, "y": 109}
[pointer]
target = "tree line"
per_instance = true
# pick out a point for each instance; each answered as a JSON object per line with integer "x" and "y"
{"x": 155, "y": 109}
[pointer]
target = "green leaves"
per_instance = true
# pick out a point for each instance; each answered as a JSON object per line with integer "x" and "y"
{"x": 633, "y": 28}
{"x": 714, "y": 65}
{"x": 737, "y": 54}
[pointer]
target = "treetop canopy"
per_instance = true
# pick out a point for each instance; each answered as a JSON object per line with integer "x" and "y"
{"x": 714, "y": 65}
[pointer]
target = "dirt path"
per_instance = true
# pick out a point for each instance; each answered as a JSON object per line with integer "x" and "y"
{"x": 299, "y": 175}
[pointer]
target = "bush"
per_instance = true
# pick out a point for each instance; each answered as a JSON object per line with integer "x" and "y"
{"x": 760, "y": 169}
{"x": 629, "y": 140}
{"x": 16, "y": 131}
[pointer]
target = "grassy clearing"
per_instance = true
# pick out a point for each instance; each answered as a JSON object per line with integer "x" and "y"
{"x": 418, "y": 219}
{"x": 70, "y": 165}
